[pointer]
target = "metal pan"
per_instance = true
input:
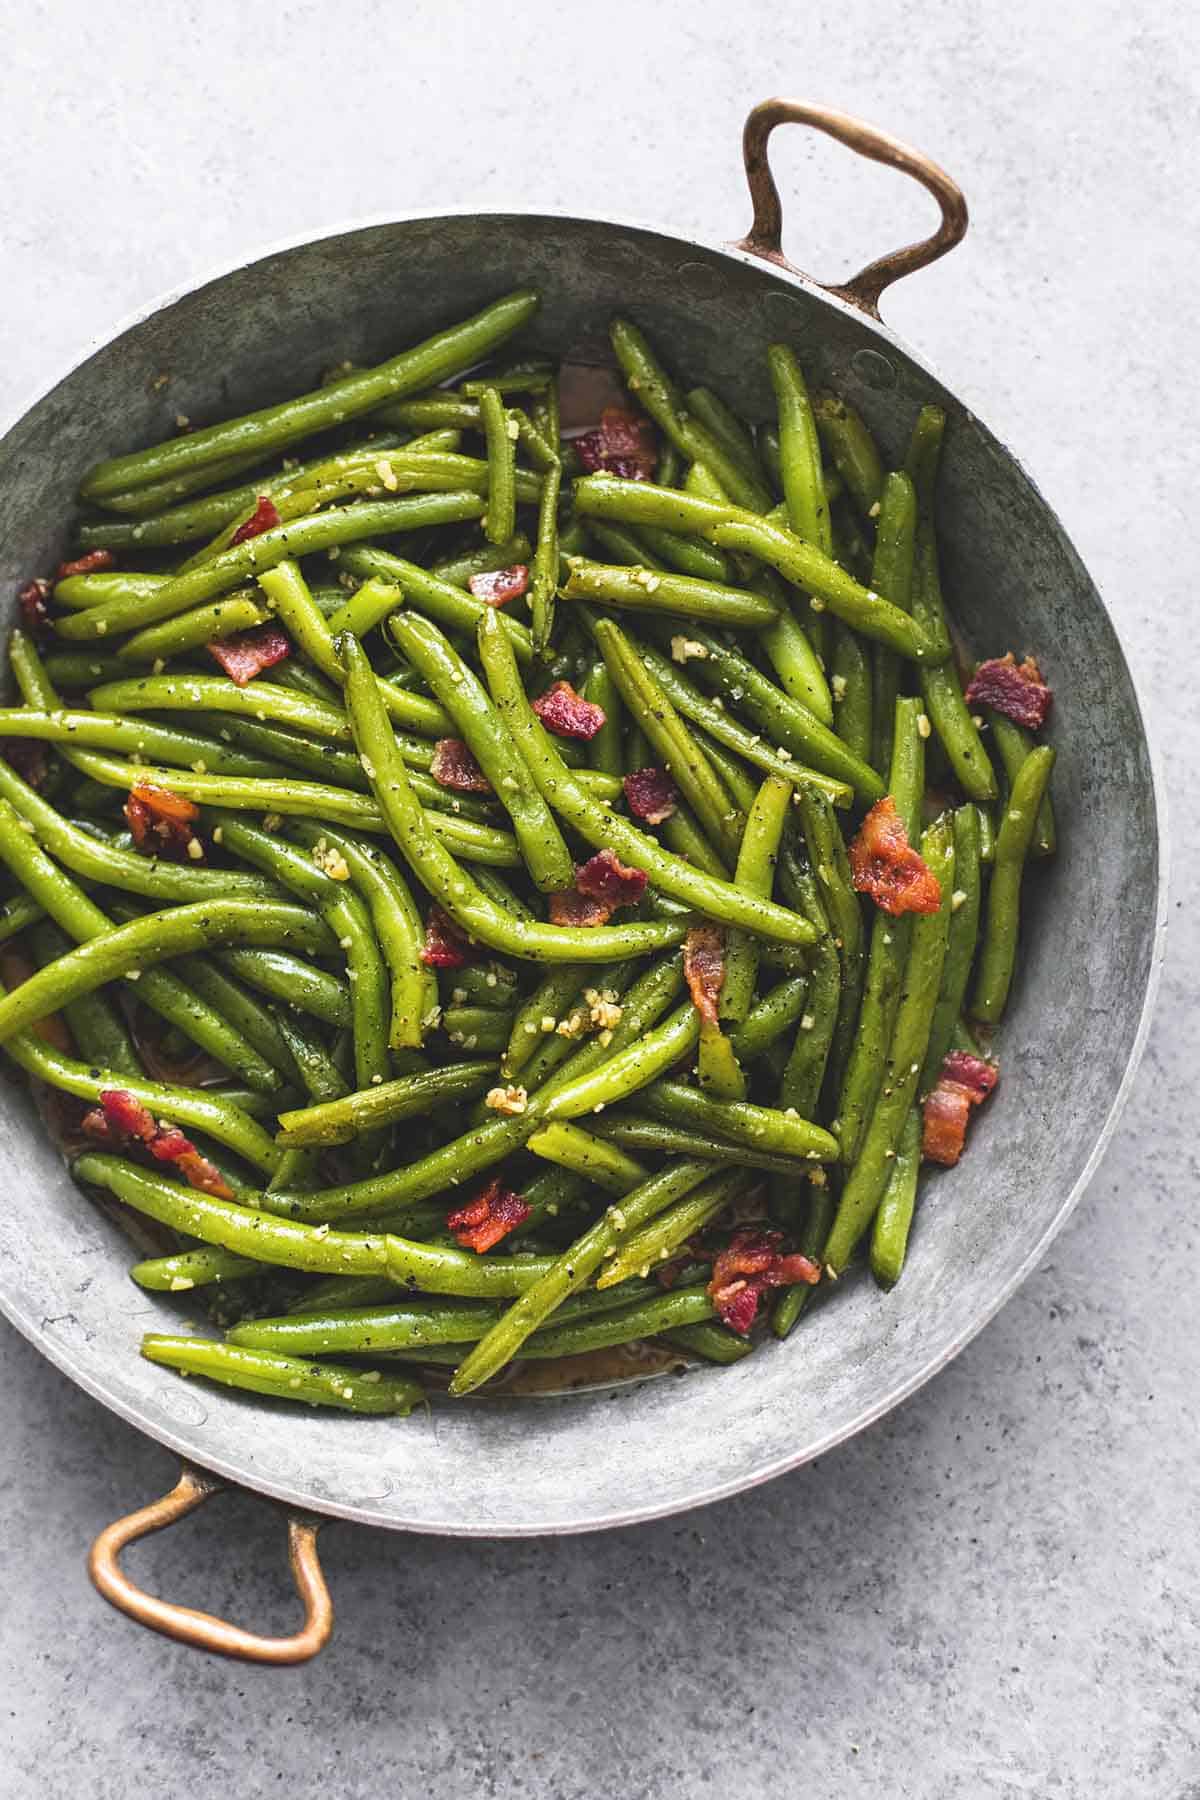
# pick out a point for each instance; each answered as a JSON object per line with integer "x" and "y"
{"x": 1076, "y": 1023}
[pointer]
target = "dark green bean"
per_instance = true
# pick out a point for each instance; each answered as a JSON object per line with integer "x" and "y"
{"x": 545, "y": 568}
{"x": 339, "y": 1121}
{"x": 1013, "y": 744}
{"x": 891, "y": 574}
{"x": 889, "y": 1235}
{"x": 853, "y": 449}
{"x": 95, "y": 1025}
{"x": 961, "y": 943}
{"x": 998, "y": 948}
{"x": 500, "y": 519}
{"x": 739, "y": 1122}
{"x": 827, "y": 854}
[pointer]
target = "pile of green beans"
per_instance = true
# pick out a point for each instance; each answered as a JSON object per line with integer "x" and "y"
{"x": 361, "y": 987}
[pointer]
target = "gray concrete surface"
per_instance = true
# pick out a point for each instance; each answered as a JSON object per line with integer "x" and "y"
{"x": 994, "y": 1593}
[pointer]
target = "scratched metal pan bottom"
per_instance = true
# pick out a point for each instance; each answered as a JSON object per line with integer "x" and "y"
{"x": 641, "y": 1449}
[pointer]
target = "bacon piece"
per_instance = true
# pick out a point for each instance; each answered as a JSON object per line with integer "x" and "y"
{"x": 651, "y": 795}
{"x": 34, "y": 602}
{"x": 161, "y": 822}
{"x": 123, "y": 1121}
{"x": 884, "y": 864}
{"x": 264, "y": 516}
{"x": 752, "y": 1262}
{"x": 573, "y": 908}
{"x": 963, "y": 1082}
{"x": 568, "y": 714}
{"x": 496, "y": 586}
{"x": 704, "y": 968}
{"x": 622, "y": 444}
{"x": 492, "y": 1214}
{"x": 85, "y": 565}
{"x": 28, "y": 757}
{"x": 454, "y": 766}
{"x": 247, "y": 653}
{"x": 445, "y": 946}
{"x": 605, "y": 877}
{"x": 1012, "y": 688}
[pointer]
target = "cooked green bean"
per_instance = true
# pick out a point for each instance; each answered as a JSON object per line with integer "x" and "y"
{"x": 215, "y": 620}
{"x": 1013, "y": 744}
{"x": 755, "y": 874}
{"x": 545, "y": 567}
{"x": 961, "y": 943}
{"x": 285, "y": 1377}
{"x": 739, "y": 1122}
{"x": 292, "y": 980}
{"x": 659, "y": 1240}
{"x": 95, "y": 1025}
{"x": 635, "y": 1132}
{"x": 570, "y": 1147}
{"x": 853, "y": 449}
{"x": 678, "y": 596}
{"x": 998, "y": 949}
{"x": 889, "y": 1234}
{"x": 724, "y": 424}
{"x": 852, "y": 698}
{"x": 340, "y": 1121}
{"x": 891, "y": 574}
{"x": 443, "y": 602}
{"x": 191, "y": 1269}
{"x": 275, "y": 427}
{"x": 827, "y": 854}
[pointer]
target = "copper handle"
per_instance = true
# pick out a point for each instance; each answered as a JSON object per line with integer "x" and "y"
{"x": 202, "y": 1629}
{"x": 765, "y": 237}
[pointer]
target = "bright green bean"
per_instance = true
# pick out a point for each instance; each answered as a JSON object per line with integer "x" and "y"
{"x": 285, "y": 1377}
{"x": 339, "y": 1121}
{"x": 961, "y": 944}
{"x": 678, "y": 596}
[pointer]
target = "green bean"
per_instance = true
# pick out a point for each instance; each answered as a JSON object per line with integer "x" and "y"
{"x": 545, "y": 567}
{"x": 437, "y": 1269}
{"x": 1013, "y": 744}
{"x": 643, "y": 1003}
{"x": 727, "y": 428}
{"x": 713, "y": 1343}
{"x": 638, "y": 1133}
{"x": 791, "y": 724}
{"x": 889, "y": 1235}
{"x": 290, "y": 979}
{"x": 461, "y": 898}
{"x": 439, "y": 599}
{"x": 96, "y": 1027}
{"x": 337, "y": 1292}
{"x": 275, "y": 427}
{"x": 888, "y": 954}
{"x": 987, "y": 834}
{"x": 647, "y": 1318}
{"x": 492, "y": 985}
{"x": 678, "y": 596}
{"x": 154, "y": 495}
{"x": 500, "y": 519}
{"x": 134, "y": 947}
{"x": 81, "y": 668}
{"x": 799, "y": 451}
{"x": 827, "y": 853}
{"x": 624, "y": 1071}
{"x": 251, "y": 558}
{"x": 476, "y": 1028}
{"x": 658, "y": 1241}
{"x": 104, "y": 585}
{"x": 600, "y": 828}
{"x": 202, "y": 625}
{"x": 285, "y": 1377}
{"x": 191, "y": 1269}
{"x": 1018, "y": 826}
{"x": 339, "y": 1121}
{"x": 739, "y": 1122}
{"x": 236, "y": 793}
{"x": 463, "y": 695}
{"x": 770, "y": 1016}
{"x": 910, "y": 1039}
{"x": 458, "y": 570}
{"x": 320, "y": 1076}
{"x": 135, "y": 737}
{"x": 398, "y": 926}
{"x": 605, "y": 748}
{"x": 795, "y": 662}
{"x": 607, "y": 497}
{"x": 691, "y": 437}
{"x": 742, "y": 782}
{"x": 853, "y": 449}
{"x": 16, "y": 915}
{"x": 669, "y": 737}
{"x": 755, "y": 874}
{"x": 315, "y": 756}
{"x": 672, "y": 550}
{"x": 260, "y": 700}
{"x": 961, "y": 944}
{"x": 791, "y": 1302}
{"x": 527, "y": 377}
{"x": 436, "y": 410}
{"x": 891, "y": 574}
{"x": 549, "y": 1001}
{"x": 361, "y": 611}
{"x": 244, "y": 1229}
{"x": 852, "y": 693}
{"x": 570, "y": 1147}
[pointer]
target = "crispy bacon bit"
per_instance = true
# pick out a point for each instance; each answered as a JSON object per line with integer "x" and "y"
{"x": 574, "y": 908}
{"x": 34, "y": 602}
{"x": 161, "y": 822}
{"x": 704, "y": 968}
{"x": 28, "y": 757}
{"x": 751, "y": 1263}
{"x": 482, "y": 1222}
{"x": 124, "y": 1122}
{"x": 568, "y": 714}
{"x": 651, "y": 795}
{"x": 85, "y": 565}
{"x": 247, "y": 653}
{"x": 622, "y": 444}
{"x": 605, "y": 877}
{"x": 264, "y": 516}
{"x": 454, "y": 766}
{"x": 1012, "y": 688}
{"x": 963, "y": 1082}
{"x": 445, "y": 946}
{"x": 496, "y": 586}
{"x": 884, "y": 864}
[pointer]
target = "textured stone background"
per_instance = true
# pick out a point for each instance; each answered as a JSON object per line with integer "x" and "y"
{"x": 995, "y": 1592}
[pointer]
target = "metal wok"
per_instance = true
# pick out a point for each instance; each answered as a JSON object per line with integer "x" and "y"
{"x": 579, "y": 1461}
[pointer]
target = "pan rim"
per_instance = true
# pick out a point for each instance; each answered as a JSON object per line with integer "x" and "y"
{"x": 76, "y": 1368}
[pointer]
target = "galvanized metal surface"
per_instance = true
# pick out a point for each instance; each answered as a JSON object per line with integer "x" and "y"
{"x": 1078, "y": 1014}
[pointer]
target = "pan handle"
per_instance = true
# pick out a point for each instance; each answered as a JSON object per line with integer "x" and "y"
{"x": 202, "y": 1629}
{"x": 765, "y": 237}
